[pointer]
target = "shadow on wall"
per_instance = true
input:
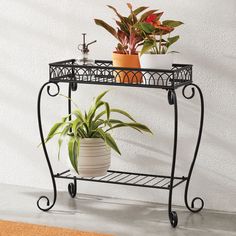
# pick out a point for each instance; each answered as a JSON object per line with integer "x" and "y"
{"x": 152, "y": 99}
{"x": 222, "y": 68}
{"x": 146, "y": 147}
{"x": 211, "y": 140}
{"x": 147, "y": 163}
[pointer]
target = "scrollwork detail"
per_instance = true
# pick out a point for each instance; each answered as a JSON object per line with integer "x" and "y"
{"x": 49, "y": 89}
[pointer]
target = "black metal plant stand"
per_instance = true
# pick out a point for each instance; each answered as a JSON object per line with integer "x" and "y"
{"x": 104, "y": 74}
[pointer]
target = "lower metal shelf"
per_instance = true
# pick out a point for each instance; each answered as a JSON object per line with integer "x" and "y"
{"x": 128, "y": 178}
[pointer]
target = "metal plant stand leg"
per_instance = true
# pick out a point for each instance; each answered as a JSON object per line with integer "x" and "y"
{"x": 48, "y": 204}
{"x": 72, "y": 187}
{"x": 172, "y": 99}
{"x": 196, "y": 148}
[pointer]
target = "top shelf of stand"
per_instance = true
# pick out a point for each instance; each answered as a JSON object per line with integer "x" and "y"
{"x": 104, "y": 73}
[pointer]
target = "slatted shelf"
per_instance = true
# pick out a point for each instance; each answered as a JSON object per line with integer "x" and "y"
{"x": 128, "y": 178}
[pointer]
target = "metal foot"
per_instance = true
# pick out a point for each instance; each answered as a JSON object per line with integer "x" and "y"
{"x": 72, "y": 188}
{"x": 48, "y": 206}
{"x": 173, "y": 219}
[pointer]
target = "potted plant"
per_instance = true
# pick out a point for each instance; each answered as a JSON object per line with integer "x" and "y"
{"x": 129, "y": 38}
{"x": 155, "y": 50}
{"x": 89, "y": 136}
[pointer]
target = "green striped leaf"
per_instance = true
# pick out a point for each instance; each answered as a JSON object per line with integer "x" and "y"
{"x": 109, "y": 140}
{"x": 73, "y": 151}
{"x": 53, "y": 130}
{"x": 78, "y": 114}
{"x": 61, "y": 138}
{"x": 124, "y": 113}
{"x": 100, "y": 96}
{"x": 135, "y": 125}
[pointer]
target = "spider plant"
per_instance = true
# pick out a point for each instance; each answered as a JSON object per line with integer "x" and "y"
{"x": 96, "y": 123}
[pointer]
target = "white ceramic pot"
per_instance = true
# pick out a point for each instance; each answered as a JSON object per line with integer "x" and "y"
{"x": 94, "y": 157}
{"x": 155, "y": 61}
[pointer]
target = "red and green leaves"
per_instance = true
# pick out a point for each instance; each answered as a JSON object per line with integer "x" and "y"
{"x": 106, "y": 26}
{"x": 151, "y": 45}
{"x": 139, "y": 10}
{"x": 141, "y": 27}
{"x": 147, "y": 28}
{"x": 148, "y": 45}
{"x": 126, "y": 31}
{"x": 154, "y": 30}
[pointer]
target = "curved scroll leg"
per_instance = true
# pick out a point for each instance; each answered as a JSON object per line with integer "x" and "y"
{"x": 172, "y": 99}
{"x": 48, "y": 204}
{"x": 72, "y": 188}
{"x": 191, "y": 208}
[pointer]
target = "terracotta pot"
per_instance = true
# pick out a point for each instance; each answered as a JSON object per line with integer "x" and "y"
{"x": 129, "y": 61}
{"x": 94, "y": 158}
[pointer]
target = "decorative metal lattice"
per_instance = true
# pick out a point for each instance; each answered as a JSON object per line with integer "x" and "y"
{"x": 102, "y": 72}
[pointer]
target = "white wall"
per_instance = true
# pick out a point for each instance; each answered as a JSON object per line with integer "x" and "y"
{"x": 34, "y": 33}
